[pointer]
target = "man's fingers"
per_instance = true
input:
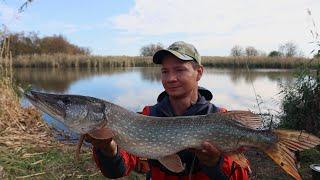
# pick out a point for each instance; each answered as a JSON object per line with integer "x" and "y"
{"x": 88, "y": 138}
{"x": 208, "y": 155}
{"x": 96, "y": 142}
{"x": 209, "y": 148}
{"x": 102, "y": 133}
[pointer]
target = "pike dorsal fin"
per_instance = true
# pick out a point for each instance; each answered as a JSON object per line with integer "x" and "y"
{"x": 246, "y": 118}
{"x": 172, "y": 162}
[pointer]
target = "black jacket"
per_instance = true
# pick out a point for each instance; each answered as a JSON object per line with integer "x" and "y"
{"x": 201, "y": 107}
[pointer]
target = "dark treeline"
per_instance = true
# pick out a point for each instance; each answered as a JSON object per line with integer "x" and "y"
{"x": 30, "y": 43}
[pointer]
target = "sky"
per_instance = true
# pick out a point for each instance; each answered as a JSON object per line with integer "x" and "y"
{"x": 122, "y": 27}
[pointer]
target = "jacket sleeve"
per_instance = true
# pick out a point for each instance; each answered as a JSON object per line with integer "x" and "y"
{"x": 115, "y": 167}
{"x": 122, "y": 163}
{"x": 226, "y": 169}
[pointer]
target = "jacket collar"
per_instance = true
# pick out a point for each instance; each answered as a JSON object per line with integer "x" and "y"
{"x": 202, "y": 91}
{"x": 204, "y": 97}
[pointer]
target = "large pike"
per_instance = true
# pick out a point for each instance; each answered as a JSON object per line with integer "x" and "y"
{"x": 162, "y": 137}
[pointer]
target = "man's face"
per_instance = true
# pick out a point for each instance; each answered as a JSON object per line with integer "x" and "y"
{"x": 179, "y": 78}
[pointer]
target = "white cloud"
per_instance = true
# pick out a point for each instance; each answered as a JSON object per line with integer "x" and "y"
{"x": 8, "y": 15}
{"x": 56, "y": 27}
{"x": 125, "y": 40}
{"x": 212, "y": 24}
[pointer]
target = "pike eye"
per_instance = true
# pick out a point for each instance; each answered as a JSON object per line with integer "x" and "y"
{"x": 66, "y": 100}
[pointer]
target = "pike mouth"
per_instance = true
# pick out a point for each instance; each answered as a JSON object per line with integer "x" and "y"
{"x": 48, "y": 103}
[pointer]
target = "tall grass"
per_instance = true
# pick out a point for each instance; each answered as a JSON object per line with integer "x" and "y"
{"x": 64, "y": 60}
{"x": 256, "y": 62}
{"x": 6, "y": 58}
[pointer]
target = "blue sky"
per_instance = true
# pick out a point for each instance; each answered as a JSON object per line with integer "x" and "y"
{"x": 121, "y": 27}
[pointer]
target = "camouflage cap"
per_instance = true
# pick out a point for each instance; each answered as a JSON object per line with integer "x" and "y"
{"x": 180, "y": 49}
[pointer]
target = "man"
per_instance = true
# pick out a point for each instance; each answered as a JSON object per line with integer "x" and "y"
{"x": 181, "y": 70}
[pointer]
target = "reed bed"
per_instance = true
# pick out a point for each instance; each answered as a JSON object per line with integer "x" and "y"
{"x": 75, "y": 61}
{"x": 6, "y": 58}
{"x": 20, "y": 126}
{"x": 257, "y": 62}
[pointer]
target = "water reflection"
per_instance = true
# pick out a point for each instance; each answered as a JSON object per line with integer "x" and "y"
{"x": 58, "y": 80}
{"x": 154, "y": 73}
{"x": 151, "y": 73}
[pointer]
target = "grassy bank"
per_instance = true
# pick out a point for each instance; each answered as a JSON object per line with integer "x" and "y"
{"x": 27, "y": 146}
{"x": 46, "y": 163}
{"x": 28, "y": 149}
{"x": 63, "y": 60}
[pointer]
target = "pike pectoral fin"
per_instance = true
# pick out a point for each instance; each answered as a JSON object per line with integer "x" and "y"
{"x": 80, "y": 142}
{"x": 102, "y": 133}
{"x": 172, "y": 162}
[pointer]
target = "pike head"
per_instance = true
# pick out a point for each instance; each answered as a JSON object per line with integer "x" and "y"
{"x": 81, "y": 114}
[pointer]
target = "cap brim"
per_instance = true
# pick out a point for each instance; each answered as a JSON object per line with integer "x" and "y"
{"x": 158, "y": 56}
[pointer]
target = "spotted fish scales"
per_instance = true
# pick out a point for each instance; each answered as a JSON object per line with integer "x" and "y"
{"x": 162, "y": 137}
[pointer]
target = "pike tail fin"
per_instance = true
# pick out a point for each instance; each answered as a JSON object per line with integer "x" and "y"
{"x": 289, "y": 141}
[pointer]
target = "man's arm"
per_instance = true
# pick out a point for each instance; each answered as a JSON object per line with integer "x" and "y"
{"x": 112, "y": 161}
{"x": 116, "y": 166}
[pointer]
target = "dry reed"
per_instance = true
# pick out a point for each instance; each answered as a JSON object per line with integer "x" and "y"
{"x": 65, "y": 60}
{"x": 6, "y": 58}
{"x": 75, "y": 61}
{"x": 20, "y": 126}
{"x": 28, "y": 150}
{"x": 256, "y": 62}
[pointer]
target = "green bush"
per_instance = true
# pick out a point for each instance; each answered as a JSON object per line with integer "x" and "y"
{"x": 301, "y": 102}
{"x": 275, "y": 54}
{"x": 317, "y": 55}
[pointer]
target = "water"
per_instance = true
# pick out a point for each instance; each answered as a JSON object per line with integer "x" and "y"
{"x": 133, "y": 88}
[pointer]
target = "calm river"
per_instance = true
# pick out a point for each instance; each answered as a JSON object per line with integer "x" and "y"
{"x": 133, "y": 88}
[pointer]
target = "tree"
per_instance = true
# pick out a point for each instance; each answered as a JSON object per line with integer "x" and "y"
{"x": 151, "y": 49}
{"x": 236, "y": 51}
{"x": 29, "y": 43}
{"x": 288, "y": 49}
{"x": 275, "y": 54}
{"x": 251, "y": 51}
{"x": 317, "y": 55}
{"x": 24, "y": 5}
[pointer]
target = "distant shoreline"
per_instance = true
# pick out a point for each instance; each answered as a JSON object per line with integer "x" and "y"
{"x": 83, "y": 61}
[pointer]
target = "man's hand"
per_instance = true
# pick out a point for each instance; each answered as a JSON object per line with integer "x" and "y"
{"x": 107, "y": 146}
{"x": 208, "y": 155}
